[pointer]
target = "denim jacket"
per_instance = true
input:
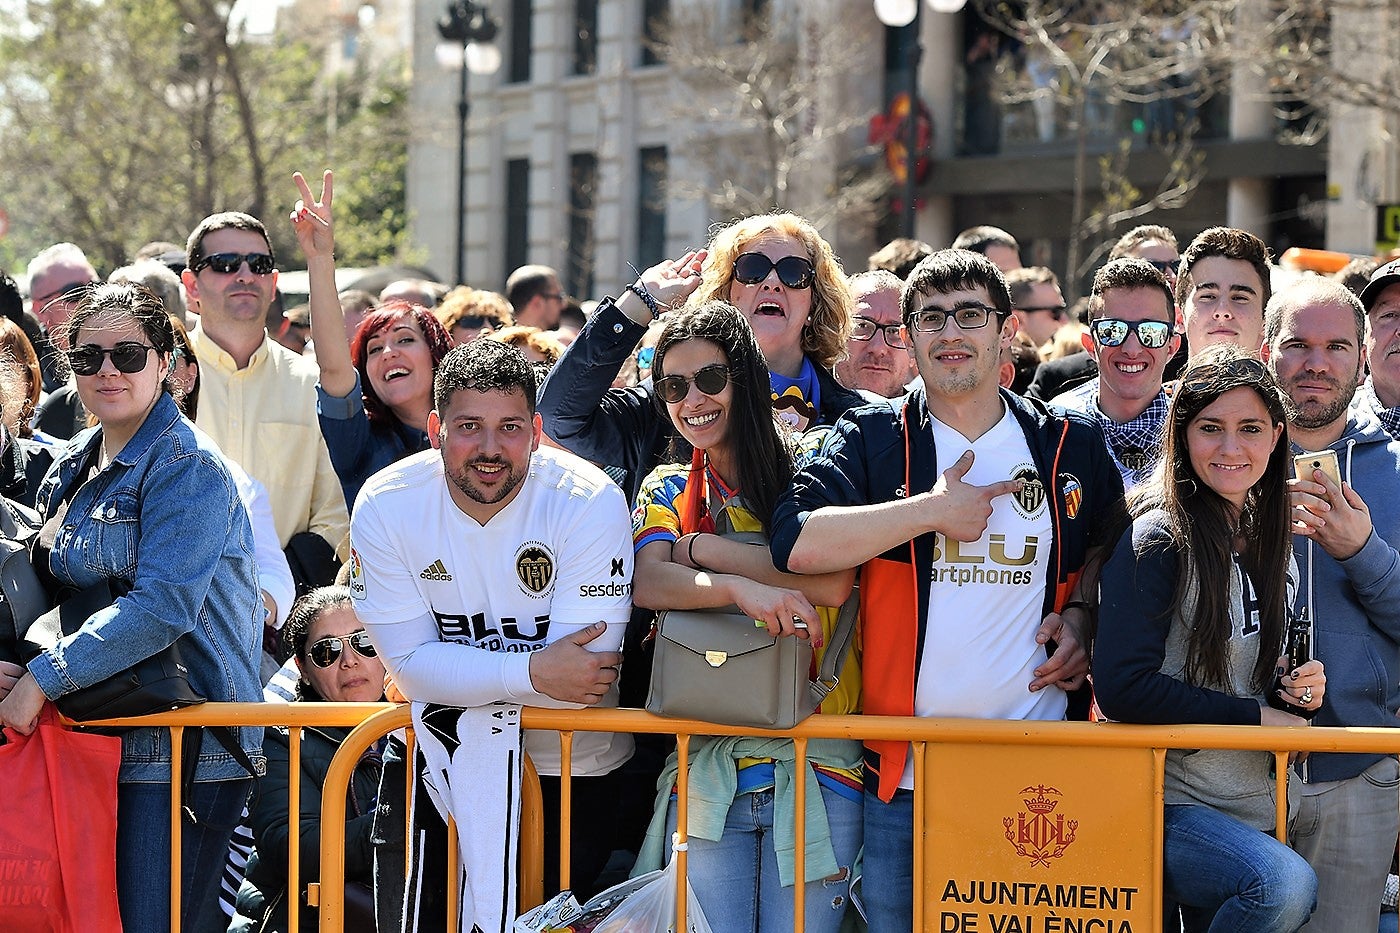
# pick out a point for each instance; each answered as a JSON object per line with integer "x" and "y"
{"x": 165, "y": 517}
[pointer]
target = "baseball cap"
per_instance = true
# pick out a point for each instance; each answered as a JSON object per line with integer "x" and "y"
{"x": 1381, "y": 279}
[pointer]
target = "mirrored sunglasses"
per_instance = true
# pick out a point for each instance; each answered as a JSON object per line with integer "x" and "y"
{"x": 710, "y": 380}
{"x": 1111, "y": 332}
{"x": 127, "y": 356}
{"x": 327, "y": 651}
{"x": 793, "y": 271}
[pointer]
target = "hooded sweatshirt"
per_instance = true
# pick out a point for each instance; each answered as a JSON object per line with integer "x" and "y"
{"x": 1355, "y": 603}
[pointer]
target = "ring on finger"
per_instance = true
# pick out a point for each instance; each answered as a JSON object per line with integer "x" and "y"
{"x": 798, "y": 623}
{"x": 1306, "y": 695}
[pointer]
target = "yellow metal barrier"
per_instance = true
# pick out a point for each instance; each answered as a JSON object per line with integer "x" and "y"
{"x": 933, "y": 740}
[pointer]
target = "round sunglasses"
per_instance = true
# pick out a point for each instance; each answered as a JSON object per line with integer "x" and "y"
{"x": 1111, "y": 332}
{"x": 793, "y": 271}
{"x": 710, "y": 380}
{"x": 327, "y": 651}
{"x": 127, "y": 356}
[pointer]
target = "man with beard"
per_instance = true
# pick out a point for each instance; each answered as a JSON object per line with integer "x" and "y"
{"x": 491, "y": 569}
{"x": 1008, "y": 507}
{"x": 1380, "y": 393}
{"x": 1347, "y": 820}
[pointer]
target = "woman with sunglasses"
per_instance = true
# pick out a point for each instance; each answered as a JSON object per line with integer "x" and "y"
{"x": 376, "y": 390}
{"x": 1192, "y": 617}
{"x": 785, "y": 280}
{"x": 144, "y": 501}
{"x": 710, "y": 375}
{"x": 337, "y": 664}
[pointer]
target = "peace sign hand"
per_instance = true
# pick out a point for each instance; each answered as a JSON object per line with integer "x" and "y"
{"x": 312, "y": 218}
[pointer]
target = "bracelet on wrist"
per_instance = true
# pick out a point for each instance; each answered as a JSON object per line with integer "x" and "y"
{"x": 640, "y": 291}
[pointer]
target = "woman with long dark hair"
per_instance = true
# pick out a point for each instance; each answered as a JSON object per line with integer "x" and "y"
{"x": 376, "y": 390}
{"x": 713, "y": 381}
{"x": 1192, "y": 617}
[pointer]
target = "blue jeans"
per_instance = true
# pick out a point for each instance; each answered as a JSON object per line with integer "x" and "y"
{"x": 887, "y": 868}
{"x": 736, "y": 878}
{"x": 143, "y": 854}
{"x": 1250, "y": 881}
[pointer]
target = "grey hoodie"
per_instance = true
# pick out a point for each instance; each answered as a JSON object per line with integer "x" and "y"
{"x": 1355, "y": 603}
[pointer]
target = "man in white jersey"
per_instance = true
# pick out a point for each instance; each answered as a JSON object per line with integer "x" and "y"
{"x": 1002, "y": 506}
{"x": 491, "y": 569}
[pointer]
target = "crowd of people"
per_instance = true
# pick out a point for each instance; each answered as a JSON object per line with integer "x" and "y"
{"x": 464, "y": 498}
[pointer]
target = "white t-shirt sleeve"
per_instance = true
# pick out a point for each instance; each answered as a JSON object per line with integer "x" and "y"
{"x": 274, "y": 574}
{"x": 390, "y": 603}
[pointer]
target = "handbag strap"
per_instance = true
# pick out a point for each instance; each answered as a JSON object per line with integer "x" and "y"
{"x": 834, "y": 658}
{"x": 194, "y": 738}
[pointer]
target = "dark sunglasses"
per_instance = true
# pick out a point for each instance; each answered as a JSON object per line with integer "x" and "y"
{"x": 127, "y": 356}
{"x": 1056, "y": 312}
{"x": 1164, "y": 266}
{"x": 1212, "y": 377}
{"x": 327, "y": 651}
{"x": 474, "y": 322}
{"x": 793, "y": 271}
{"x": 227, "y": 263}
{"x": 710, "y": 380}
{"x": 1111, "y": 332}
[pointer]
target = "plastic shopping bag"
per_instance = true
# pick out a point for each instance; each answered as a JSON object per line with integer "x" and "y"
{"x": 58, "y": 848}
{"x": 648, "y": 905}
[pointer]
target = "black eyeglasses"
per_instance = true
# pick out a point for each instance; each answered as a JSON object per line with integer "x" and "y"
{"x": 327, "y": 651}
{"x": 1111, "y": 332}
{"x": 1211, "y": 376}
{"x": 862, "y": 328}
{"x": 793, "y": 271}
{"x": 127, "y": 356}
{"x": 1164, "y": 266}
{"x": 1056, "y": 312}
{"x": 227, "y": 263}
{"x": 968, "y": 317}
{"x": 710, "y": 380}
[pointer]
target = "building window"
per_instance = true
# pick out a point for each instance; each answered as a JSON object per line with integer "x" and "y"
{"x": 656, "y": 16}
{"x": 583, "y": 200}
{"x": 520, "y": 41}
{"x": 651, "y": 206}
{"x": 585, "y": 37}
{"x": 517, "y": 215}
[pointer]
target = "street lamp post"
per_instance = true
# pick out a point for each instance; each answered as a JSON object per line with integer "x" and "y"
{"x": 899, "y": 13}
{"x": 467, "y": 30}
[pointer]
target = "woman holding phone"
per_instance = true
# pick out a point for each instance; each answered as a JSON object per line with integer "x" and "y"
{"x": 1194, "y": 606}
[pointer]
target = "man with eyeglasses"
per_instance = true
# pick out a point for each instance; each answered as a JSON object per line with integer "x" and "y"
{"x": 1004, "y": 508}
{"x": 1037, "y": 302}
{"x": 57, "y": 277}
{"x": 1132, "y": 324}
{"x": 1344, "y": 541}
{"x": 877, "y": 357}
{"x": 257, "y": 398}
{"x": 535, "y": 296}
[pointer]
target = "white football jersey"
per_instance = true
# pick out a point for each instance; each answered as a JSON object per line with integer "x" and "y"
{"x": 456, "y": 608}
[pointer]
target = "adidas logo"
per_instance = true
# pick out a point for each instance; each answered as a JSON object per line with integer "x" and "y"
{"x": 436, "y": 571}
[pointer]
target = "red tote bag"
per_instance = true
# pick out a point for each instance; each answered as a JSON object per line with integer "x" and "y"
{"x": 58, "y": 846}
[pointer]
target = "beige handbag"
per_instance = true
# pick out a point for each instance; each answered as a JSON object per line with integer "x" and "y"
{"x": 717, "y": 665}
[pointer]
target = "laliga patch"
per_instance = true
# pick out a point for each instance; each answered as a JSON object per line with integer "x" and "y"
{"x": 357, "y": 575}
{"x": 534, "y": 567}
{"x": 1031, "y": 498}
{"x": 1073, "y": 493}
